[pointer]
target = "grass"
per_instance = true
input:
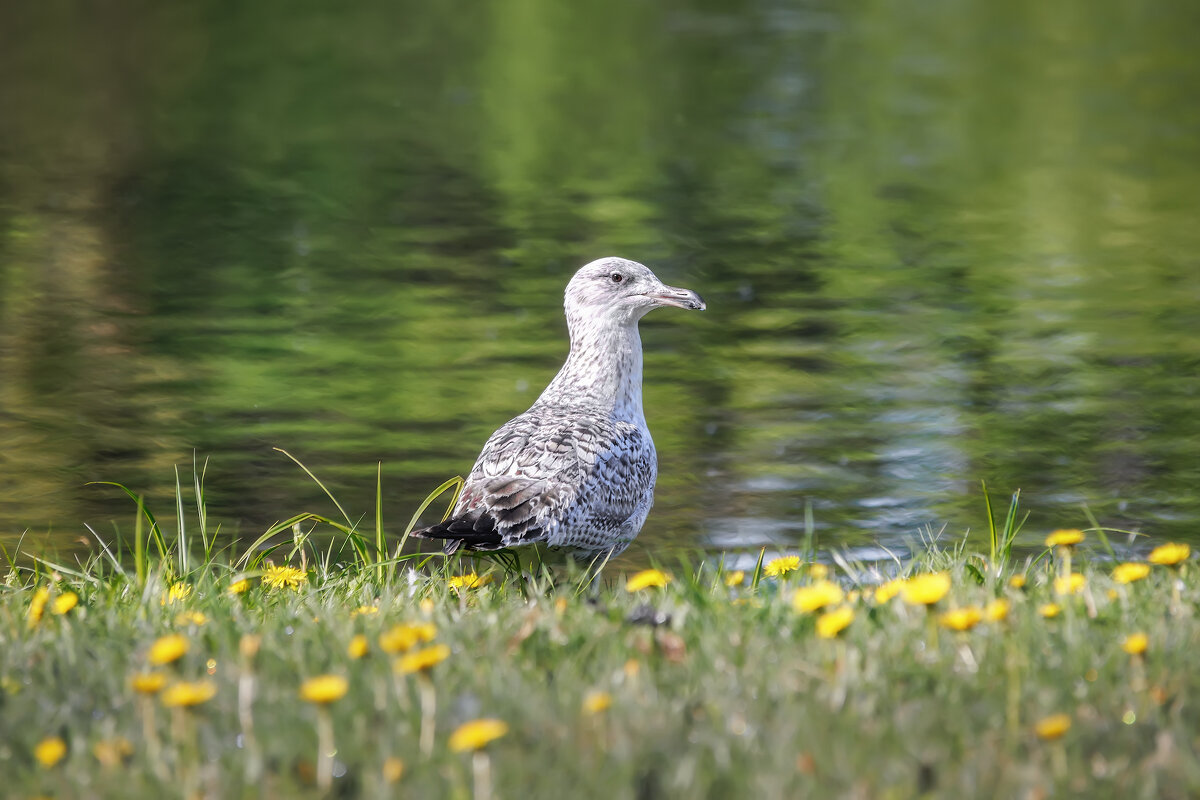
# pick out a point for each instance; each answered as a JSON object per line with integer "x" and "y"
{"x": 695, "y": 688}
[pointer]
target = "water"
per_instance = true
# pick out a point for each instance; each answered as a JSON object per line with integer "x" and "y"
{"x": 940, "y": 243}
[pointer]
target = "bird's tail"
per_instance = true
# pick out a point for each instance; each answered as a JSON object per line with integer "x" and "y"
{"x": 474, "y": 532}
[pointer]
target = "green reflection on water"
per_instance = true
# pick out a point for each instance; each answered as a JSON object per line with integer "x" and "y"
{"x": 940, "y": 242}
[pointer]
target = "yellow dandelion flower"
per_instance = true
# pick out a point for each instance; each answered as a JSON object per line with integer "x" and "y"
{"x": 422, "y": 660}
{"x": 167, "y": 649}
{"x": 405, "y": 636}
{"x": 1169, "y": 554}
{"x": 112, "y": 752}
{"x": 284, "y": 577}
{"x": 64, "y": 603}
{"x": 886, "y": 591}
{"x": 646, "y": 579}
{"x": 820, "y": 594}
{"x": 365, "y": 611}
{"x": 631, "y": 668}
{"x": 997, "y": 610}
{"x": 1130, "y": 571}
{"x": 1050, "y": 610}
{"x": 324, "y": 689}
{"x": 735, "y": 578}
{"x": 778, "y": 567}
{"x": 818, "y": 571}
{"x": 1067, "y": 537}
{"x": 148, "y": 682}
{"x": 925, "y": 589}
{"x": 596, "y": 701}
{"x": 196, "y": 618}
{"x": 188, "y": 693}
{"x": 961, "y": 619}
{"x": 1017, "y": 581}
{"x": 248, "y": 645}
{"x": 831, "y": 623}
{"x": 1135, "y": 644}
{"x": 239, "y": 587}
{"x": 468, "y": 581}
{"x": 178, "y": 592}
{"x": 37, "y": 606}
{"x": 1053, "y": 726}
{"x": 393, "y": 769}
{"x": 476, "y": 734}
{"x": 1069, "y": 584}
{"x": 50, "y": 751}
{"x": 358, "y": 647}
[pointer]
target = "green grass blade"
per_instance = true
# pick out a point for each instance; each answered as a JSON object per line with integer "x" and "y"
{"x": 201, "y": 506}
{"x": 12, "y": 561}
{"x": 274, "y": 531}
{"x": 456, "y": 482}
{"x": 380, "y": 550}
{"x": 108, "y": 553}
{"x": 1104, "y": 542}
{"x": 361, "y": 548}
{"x": 155, "y": 531}
{"x": 1011, "y": 528}
{"x": 591, "y": 575}
{"x": 758, "y": 568}
{"x": 182, "y": 553}
{"x": 139, "y": 548}
{"x": 975, "y": 573}
{"x": 317, "y": 481}
{"x": 991, "y": 521}
{"x": 84, "y": 574}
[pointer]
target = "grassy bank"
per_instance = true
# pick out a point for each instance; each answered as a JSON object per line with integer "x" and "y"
{"x": 707, "y": 686}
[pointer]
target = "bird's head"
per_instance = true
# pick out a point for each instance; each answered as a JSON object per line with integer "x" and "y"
{"x": 622, "y": 292}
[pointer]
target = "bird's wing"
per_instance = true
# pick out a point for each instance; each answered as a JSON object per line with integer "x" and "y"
{"x": 543, "y": 471}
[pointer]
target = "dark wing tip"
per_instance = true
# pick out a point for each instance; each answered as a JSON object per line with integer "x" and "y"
{"x": 474, "y": 533}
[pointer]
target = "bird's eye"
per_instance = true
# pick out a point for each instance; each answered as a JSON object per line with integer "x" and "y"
{"x": 616, "y": 277}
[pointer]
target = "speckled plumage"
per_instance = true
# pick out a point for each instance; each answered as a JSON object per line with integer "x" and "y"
{"x": 577, "y": 470}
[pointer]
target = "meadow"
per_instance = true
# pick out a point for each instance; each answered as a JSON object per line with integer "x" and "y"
{"x": 938, "y": 240}
{"x": 323, "y": 664}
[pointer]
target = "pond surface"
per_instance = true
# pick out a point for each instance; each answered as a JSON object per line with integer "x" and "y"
{"x": 941, "y": 243}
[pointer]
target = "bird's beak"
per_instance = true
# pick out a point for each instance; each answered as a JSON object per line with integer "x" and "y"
{"x": 680, "y": 298}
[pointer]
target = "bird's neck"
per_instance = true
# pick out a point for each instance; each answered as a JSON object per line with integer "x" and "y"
{"x": 603, "y": 370}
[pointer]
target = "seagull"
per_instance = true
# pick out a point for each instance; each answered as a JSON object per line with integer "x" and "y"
{"x": 576, "y": 471}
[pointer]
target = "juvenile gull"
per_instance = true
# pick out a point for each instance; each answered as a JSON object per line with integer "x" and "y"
{"x": 577, "y": 470}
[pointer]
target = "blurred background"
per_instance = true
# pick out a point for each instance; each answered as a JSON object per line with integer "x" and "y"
{"x": 941, "y": 242}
